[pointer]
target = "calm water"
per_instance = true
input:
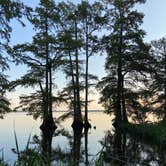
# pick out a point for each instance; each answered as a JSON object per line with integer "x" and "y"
{"x": 116, "y": 148}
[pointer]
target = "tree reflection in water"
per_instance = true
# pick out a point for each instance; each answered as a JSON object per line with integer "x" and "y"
{"x": 72, "y": 155}
{"x": 114, "y": 148}
{"x": 86, "y": 147}
{"x": 46, "y": 144}
{"x": 119, "y": 149}
{"x": 77, "y": 155}
{"x": 122, "y": 150}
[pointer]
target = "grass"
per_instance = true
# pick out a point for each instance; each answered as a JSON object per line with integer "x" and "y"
{"x": 153, "y": 133}
{"x": 30, "y": 157}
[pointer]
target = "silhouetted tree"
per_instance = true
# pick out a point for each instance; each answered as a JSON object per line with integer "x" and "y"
{"x": 127, "y": 57}
{"x": 70, "y": 43}
{"x": 90, "y": 21}
{"x": 78, "y": 27}
{"x": 42, "y": 58}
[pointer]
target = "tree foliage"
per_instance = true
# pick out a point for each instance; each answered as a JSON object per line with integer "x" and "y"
{"x": 127, "y": 62}
{"x": 8, "y": 10}
{"x": 42, "y": 59}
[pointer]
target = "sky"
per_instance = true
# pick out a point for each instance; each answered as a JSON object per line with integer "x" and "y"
{"x": 154, "y": 26}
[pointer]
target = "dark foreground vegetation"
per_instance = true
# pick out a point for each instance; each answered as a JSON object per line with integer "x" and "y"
{"x": 152, "y": 133}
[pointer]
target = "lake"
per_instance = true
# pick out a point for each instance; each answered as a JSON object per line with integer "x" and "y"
{"x": 101, "y": 141}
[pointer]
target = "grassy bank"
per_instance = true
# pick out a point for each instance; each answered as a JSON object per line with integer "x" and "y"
{"x": 150, "y": 133}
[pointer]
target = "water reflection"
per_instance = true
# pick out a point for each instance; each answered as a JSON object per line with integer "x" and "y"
{"x": 118, "y": 149}
{"x": 57, "y": 155}
{"x": 83, "y": 148}
{"x": 122, "y": 150}
{"x": 86, "y": 147}
{"x": 77, "y": 151}
{"x": 114, "y": 147}
{"x": 46, "y": 144}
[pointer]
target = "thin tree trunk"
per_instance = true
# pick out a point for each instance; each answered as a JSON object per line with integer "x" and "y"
{"x": 46, "y": 70}
{"x": 50, "y": 91}
{"x": 43, "y": 99}
{"x": 123, "y": 102}
{"x": 118, "y": 102}
{"x": 86, "y": 77}
{"x": 73, "y": 82}
{"x": 45, "y": 124}
{"x": 120, "y": 77}
{"x": 78, "y": 116}
{"x": 125, "y": 119}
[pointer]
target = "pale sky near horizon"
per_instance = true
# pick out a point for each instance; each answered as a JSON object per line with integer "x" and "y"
{"x": 154, "y": 25}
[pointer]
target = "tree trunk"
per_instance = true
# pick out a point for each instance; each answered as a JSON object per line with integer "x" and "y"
{"x": 73, "y": 82}
{"x": 78, "y": 123}
{"x": 123, "y": 102}
{"x": 119, "y": 90}
{"x": 87, "y": 124}
{"x": 120, "y": 77}
{"x": 50, "y": 89}
{"x": 125, "y": 119}
{"x": 50, "y": 96}
{"x": 46, "y": 70}
{"x": 43, "y": 100}
{"x": 48, "y": 123}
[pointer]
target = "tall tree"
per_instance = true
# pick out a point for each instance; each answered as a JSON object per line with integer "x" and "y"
{"x": 90, "y": 21}
{"x": 127, "y": 60}
{"x": 70, "y": 44}
{"x": 78, "y": 37}
{"x": 42, "y": 58}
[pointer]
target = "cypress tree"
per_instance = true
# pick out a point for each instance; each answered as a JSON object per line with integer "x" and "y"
{"x": 127, "y": 56}
{"x": 42, "y": 58}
